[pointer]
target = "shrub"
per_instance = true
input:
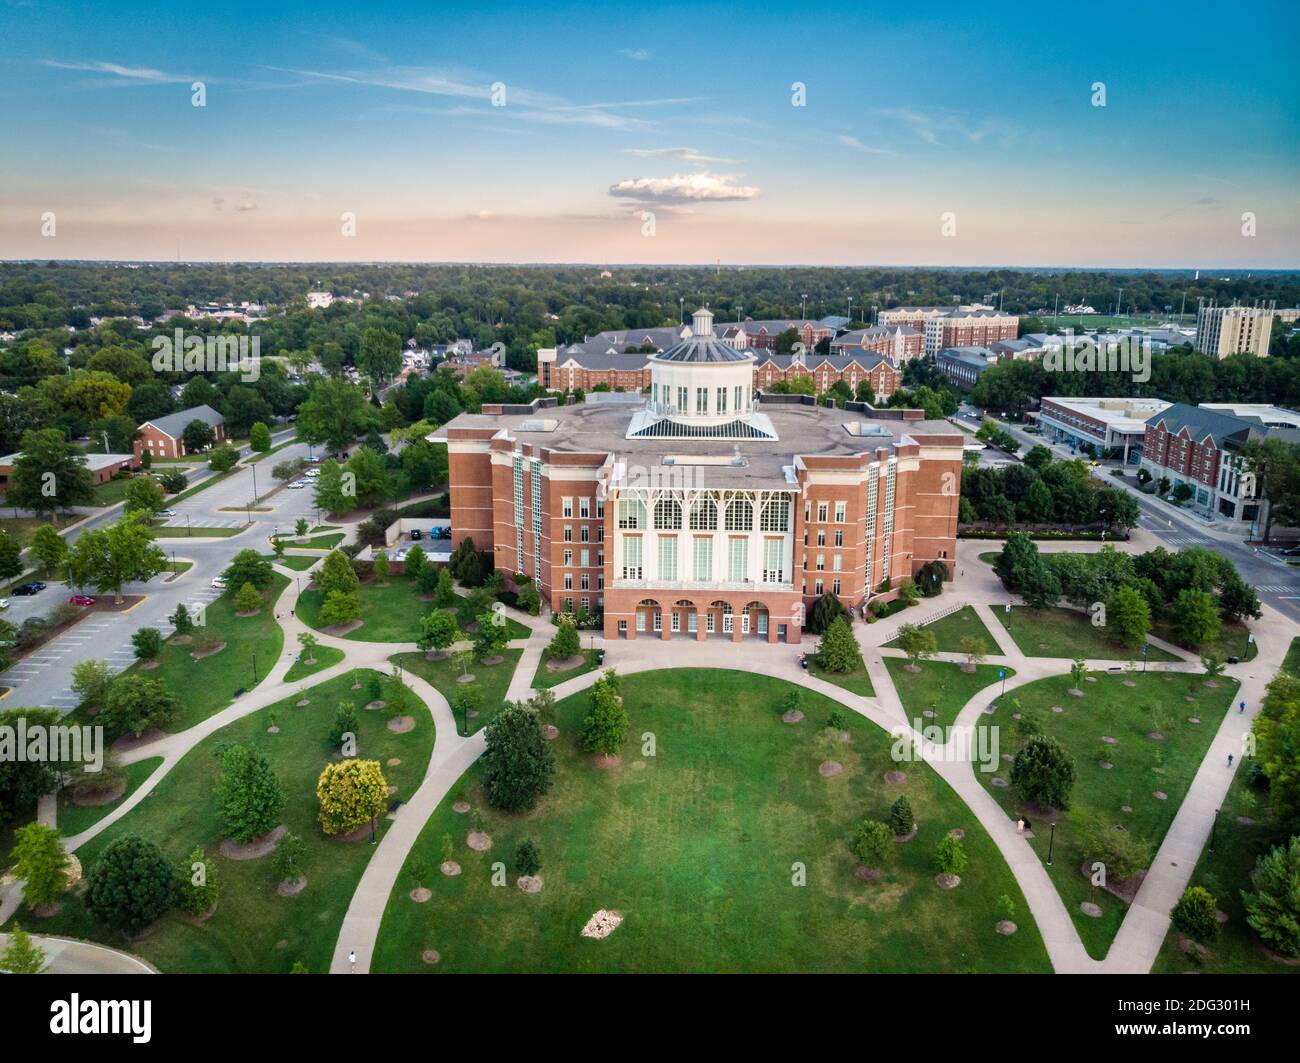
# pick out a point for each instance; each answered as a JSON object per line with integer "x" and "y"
{"x": 527, "y": 859}
{"x": 40, "y": 860}
{"x": 249, "y": 798}
{"x": 949, "y": 855}
{"x": 1273, "y": 910}
{"x": 1194, "y": 914}
{"x": 606, "y": 723}
{"x": 1043, "y": 772}
{"x": 565, "y": 643}
{"x": 872, "y": 842}
{"x": 839, "y": 651}
{"x": 130, "y": 885}
{"x": 901, "y": 820}
{"x": 147, "y": 642}
{"x": 248, "y": 599}
{"x": 196, "y": 883}
{"x": 518, "y": 764}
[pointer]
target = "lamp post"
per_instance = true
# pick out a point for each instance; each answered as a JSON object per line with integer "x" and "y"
{"x": 187, "y": 525}
{"x": 254, "y": 669}
{"x": 1213, "y": 826}
{"x": 254, "y": 468}
{"x": 1050, "y": 842}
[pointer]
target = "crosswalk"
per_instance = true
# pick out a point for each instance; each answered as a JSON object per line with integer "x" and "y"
{"x": 1186, "y": 540}
{"x": 205, "y": 521}
{"x": 1277, "y": 588}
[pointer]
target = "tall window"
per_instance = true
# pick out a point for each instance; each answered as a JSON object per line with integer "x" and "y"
{"x": 668, "y": 557}
{"x": 775, "y": 515}
{"x": 631, "y": 513}
{"x": 722, "y": 400}
{"x": 737, "y": 559}
{"x": 668, "y": 514}
{"x": 701, "y": 400}
{"x": 703, "y": 559}
{"x": 839, "y": 512}
{"x": 632, "y": 557}
{"x": 740, "y": 398}
{"x": 682, "y": 407}
{"x": 740, "y": 515}
{"x": 822, "y": 510}
{"x": 704, "y": 515}
{"x": 773, "y": 555}
{"x": 584, "y": 507}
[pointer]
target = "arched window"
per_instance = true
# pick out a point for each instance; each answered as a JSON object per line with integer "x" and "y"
{"x": 740, "y": 515}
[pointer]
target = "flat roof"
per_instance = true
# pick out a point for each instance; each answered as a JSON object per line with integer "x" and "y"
{"x": 94, "y": 462}
{"x": 805, "y": 430}
{"x": 1121, "y": 414}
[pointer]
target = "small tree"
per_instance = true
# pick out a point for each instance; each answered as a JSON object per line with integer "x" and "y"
{"x": 340, "y": 608}
{"x": 872, "y": 842}
{"x": 41, "y": 862}
{"x": 308, "y": 643}
{"x": 517, "y": 761}
{"x": 381, "y": 568}
{"x": 901, "y": 820}
{"x": 825, "y": 611}
{"x": 259, "y": 437}
{"x": 181, "y": 621}
{"x": 351, "y": 793}
{"x": 196, "y": 883}
{"x": 290, "y": 857}
{"x": 469, "y": 699}
{"x": 248, "y": 599}
{"x": 130, "y": 885}
{"x": 1213, "y": 666}
{"x": 48, "y": 548}
{"x": 249, "y": 798}
{"x": 337, "y": 574}
{"x": 1194, "y": 914}
{"x": 605, "y": 726}
{"x": 137, "y": 703}
{"x": 22, "y": 955}
{"x": 1078, "y": 673}
{"x": 527, "y": 860}
{"x": 974, "y": 648}
{"x": 248, "y": 566}
{"x": 90, "y": 680}
{"x": 416, "y": 562}
{"x": 438, "y": 631}
{"x": 147, "y": 642}
{"x": 949, "y": 855}
{"x": 1196, "y": 617}
{"x": 918, "y": 643}
{"x": 1043, "y": 772}
{"x": 1273, "y": 909}
{"x": 444, "y": 593}
{"x": 491, "y": 637}
{"x": 223, "y": 459}
{"x": 839, "y": 651}
{"x": 300, "y": 526}
{"x": 566, "y": 643}
{"x": 345, "y": 724}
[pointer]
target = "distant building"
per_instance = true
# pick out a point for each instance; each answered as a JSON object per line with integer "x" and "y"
{"x": 102, "y": 467}
{"x": 1115, "y": 427}
{"x": 916, "y": 316}
{"x": 899, "y": 343}
{"x": 1225, "y": 330}
{"x": 827, "y": 370}
{"x": 319, "y": 300}
{"x": 965, "y": 365}
{"x": 163, "y": 437}
{"x": 969, "y": 328}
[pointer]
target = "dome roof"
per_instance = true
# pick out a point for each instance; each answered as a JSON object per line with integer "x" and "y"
{"x": 703, "y": 347}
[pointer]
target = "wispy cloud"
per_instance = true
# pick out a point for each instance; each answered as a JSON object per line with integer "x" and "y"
{"x": 684, "y": 188}
{"x": 684, "y": 154}
{"x": 640, "y": 55}
{"x": 941, "y": 126}
{"x": 865, "y": 149}
{"x": 136, "y": 74}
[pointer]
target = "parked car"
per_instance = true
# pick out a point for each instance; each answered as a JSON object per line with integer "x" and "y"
{"x": 82, "y": 599}
{"x": 28, "y": 589}
{"x": 218, "y": 583}
{"x": 167, "y": 513}
{"x": 4, "y": 603}
{"x": 298, "y": 485}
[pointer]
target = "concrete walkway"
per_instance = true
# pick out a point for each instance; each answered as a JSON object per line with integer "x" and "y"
{"x": 70, "y": 956}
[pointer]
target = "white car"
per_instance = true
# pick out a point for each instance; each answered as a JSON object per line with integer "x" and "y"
{"x": 218, "y": 583}
{"x": 167, "y": 513}
{"x": 311, "y": 474}
{"x": 298, "y": 485}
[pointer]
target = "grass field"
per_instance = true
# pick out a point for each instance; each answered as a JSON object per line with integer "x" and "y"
{"x": 73, "y": 819}
{"x": 1066, "y": 633}
{"x": 194, "y": 532}
{"x": 704, "y": 849}
{"x": 293, "y": 561}
{"x": 951, "y": 629}
{"x": 491, "y": 680}
{"x": 324, "y": 656}
{"x": 544, "y": 678}
{"x": 314, "y": 542}
{"x": 855, "y": 682}
{"x": 254, "y": 929}
{"x": 941, "y": 687}
{"x": 1232, "y": 641}
{"x": 1141, "y": 767}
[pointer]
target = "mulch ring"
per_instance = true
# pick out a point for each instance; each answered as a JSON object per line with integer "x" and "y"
{"x": 180, "y": 640}
{"x": 566, "y": 664}
{"x": 478, "y": 841}
{"x": 257, "y": 848}
{"x": 956, "y": 832}
{"x": 149, "y": 666}
{"x": 1193, "y": 719}
{"x": 1187, "y": 946}
{"x": 47, "y": 911}
{"x": 491, "y": 659}
{"x": 128, "y": 742}
{"x": 948, "y": 882}
{"x": 828, "y": 768}
{"x": 1123, "y": 888}
{"x": 94, "y": 798}
{"x": 1160, "y": 795}
{"x": 465, "y": 678}
{"x": 1075, "y": 692}
{"x": 1155, "y": 736}
{"x": 392, "y": 762}
{"x": 449, "y": 868}
{"x": 245, "y": 613}
{"x": 303, "y": 702}
{"x": 1110, "y": 740}
{"x": 203, "y": 917}
{"x": 1129, "y": 683}
{"x": 461, "y": 807}
{"x": 895, "y": 778}
{"x": 401, "y": 724}
{"x": 338, "y": 630}
{"x": 913, "y": 668}
{"x": 207, "y": 651}
{"x": 376, "y": 705}
{"x": 550, "y": 732}
{"x": 289, "y": 887}
{"x": 420, "y": 894}
{"x": 430, "y": 956}
{"x": 793, "y": 716}
{"x": 602, "y": 924}
{"x": 603, "y": 760}
{"x": 1006, "y": 927}
{"x": 1091, "y": 910}
{"x": 999, "y": 782}
{"x": 869, "y": 874}
{"x": 529, "y": 883}
{"x": 903, "y": 839}
{"x": 357, "y": 835}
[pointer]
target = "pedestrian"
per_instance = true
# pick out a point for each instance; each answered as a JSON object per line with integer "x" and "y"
{"x": 1020, "y": 825}
{"x": 1230, "y": 760}
{"x": 1241, "y": 708}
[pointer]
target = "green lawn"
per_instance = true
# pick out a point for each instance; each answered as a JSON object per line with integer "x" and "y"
{"x": 254, "y": 929}
{"x": 110, "y": 492}
{"x": 314, "y": 542}
{"x": 1291, "y": 663}
{"x": 325, "y": 657}
{"x": 293, "y": 561}
{"x": 491, "y": 680}
{"x": 1232, "y": 640}
{"x": 392, "y": 612}
{"x": 950, "y": 630}
{"x": 856, "y": 681}
{"x": 704, "y": 848}
{"x": 941, "y": 687}
{"x": 73, "y": 819}
{"x": 1067, "y": 633}
{"x": 545, "y": 678}
{"x": 194, "y": 532}
{"x": 1142, "y": 766}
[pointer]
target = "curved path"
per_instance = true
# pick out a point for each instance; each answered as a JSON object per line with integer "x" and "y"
{"x": 1145, "y": 924}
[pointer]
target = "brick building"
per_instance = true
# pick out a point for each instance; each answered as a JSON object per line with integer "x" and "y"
{"x": 704, "y": 512}
{"x": 826, "y": 370}
{"x": 163, "y": 436}
{"x": 899, "y": 343}
{"x": 974, "y": 328}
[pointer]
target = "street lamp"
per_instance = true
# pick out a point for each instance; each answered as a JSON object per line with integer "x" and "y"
{"x": 254, "y": 669}
{"x": 1050, "y": 842}
{"x": 1213, "y": 825}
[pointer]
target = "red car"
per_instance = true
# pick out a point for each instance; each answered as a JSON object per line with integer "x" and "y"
{"x": 82, "y": 599}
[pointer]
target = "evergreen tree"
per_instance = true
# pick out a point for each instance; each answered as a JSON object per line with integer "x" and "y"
{"x": 249, "y": 798}
{"x": 517, "y": 761}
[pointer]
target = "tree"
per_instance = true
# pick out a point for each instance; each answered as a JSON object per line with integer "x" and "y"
{"x": 197, "y": 436}
{"x": 248, "y": 599}
{"x": 137, "y": 703}
{"x": 467, "y": 703}
{"x": 1078, "y": 673}
{"x": 130, "y": 885}
{"x": 223, "y": 459}
{"x": 381, "y": 567}
{"x": 416, "y": 561}
{"x": 1274, "y": 465}
{"x": 173, "y": 480}
{"x": 1196, "y": 618}
{"x": 527, "y": 860}
{"x": 605, "y": 726}
{"x": 351, "y": 792}
{"x": 444, "y": 593}
{"x": 901, "y": 821}
{"x": 290, "y": 857}
{"x": 147, "y": 642}
{"x": 334, "y": 414}
{"x": 308, "y": 643}
{"x": 838, "y": 650}
{"x": 918, "y": 643}
{"x": 49, "y": 475}
{"x": 337, "y": 574}
{"x": 380, "y": 356}
{"x": 438, "y": 631}
{"x": 345, "y": 724}
{"x": 565, "y": 643}
{"x": 491, "y": 636}
{"x": 370, "y": 481}
{"x": 332, "y": 492}
{"x": 108, "y": 558}
{"x": 90, "y": 679}
{"x": 825, "y": 611}
{"x": 1043, "y": 772}
{"x": 340, "y": 608}
{"x": 1121, "y": 853}
{"x": 1273, "y": 909}
{"x": 1037, "y": 457}
{"x": 249, "y": 798}
{"x": 1039, "y": 586}
{"x": 1237, "y": 599}
{"x": 144, "y": 495}
{"x": 949, "y": 855}
{"x": 41, "y": 862}
{"x": 48, "y": 548}
{"x": 248, "y": 566}
{"x": 1128, "y": 617}
{"x": 22, "y": 955}
{"x": 196, "y": 883}
{"x": 259, "y": 437}
{"x": 517, "y": 761}
{"x": 872, "y": 842}
{"x": 974, "y": 648}
{"x": 1018, "y": 555}
{"x": 11, "y": 556}
{"x": 181, "y": 621}
{"x": 24, "y": 781}
{"x": 1194, "y": 914}
{"x": 1277, "y": 743}
{"x": 1038, "y": 506}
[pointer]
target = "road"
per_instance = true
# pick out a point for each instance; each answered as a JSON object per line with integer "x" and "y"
{"x": 44, "y": 678}
{"x": 1276, "y": 583}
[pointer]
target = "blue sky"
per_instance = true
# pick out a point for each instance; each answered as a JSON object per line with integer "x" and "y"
{"x": 617, "y": 113}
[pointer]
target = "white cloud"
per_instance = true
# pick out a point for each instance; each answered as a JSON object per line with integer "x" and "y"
{"x": 866, "y": 149}
{"x": 125, "y": 73}
{"x": 640, "y": 55}
{"x": 684, "y": 154}
{"x": 684, "y": 188}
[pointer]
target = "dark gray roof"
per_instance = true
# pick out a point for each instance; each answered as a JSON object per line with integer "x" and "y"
{"x": 840, "y": 360}
{"x": 174, "y": 423}
{"x": 1226, "y": 430}
{"x": 834, "y": 321}
{"x": 703, "y": 349}
{"x": 858, "y": 336}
